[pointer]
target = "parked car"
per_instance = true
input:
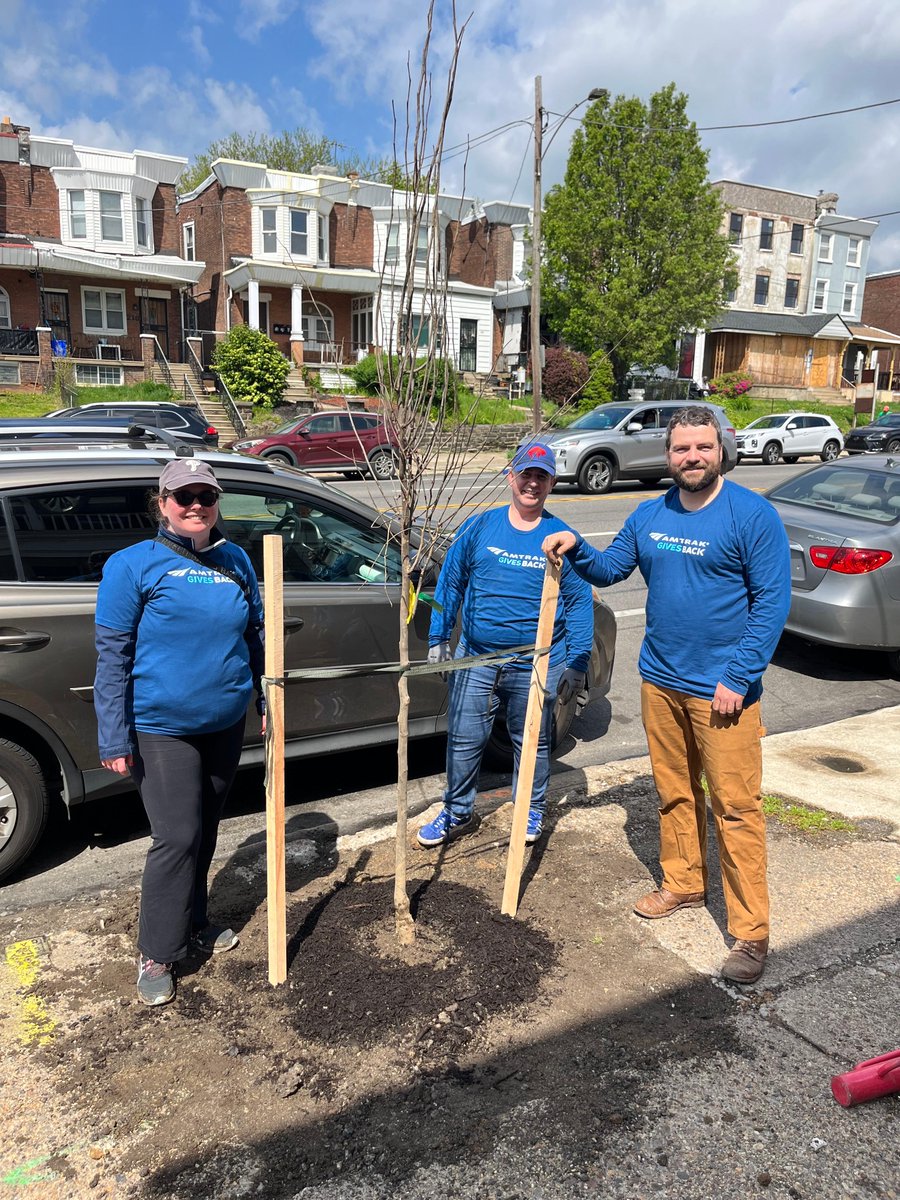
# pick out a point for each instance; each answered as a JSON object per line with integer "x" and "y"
{"x": 349, "y": 443}
{"x": 177, "y": 418}
{"x": 843, "y": 524}
{"x": 880, "y": 437}
{"x": 789, "y": 436}
{"x": 62, "y": 514}
{"x": 28, "y": 434}
{"x": 623, "y": 441}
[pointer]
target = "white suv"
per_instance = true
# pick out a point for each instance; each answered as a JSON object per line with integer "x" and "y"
{"x": 789, "y": 436}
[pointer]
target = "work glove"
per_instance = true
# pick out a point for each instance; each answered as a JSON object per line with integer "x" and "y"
{"x": 438, "y": 654}
{"x": 571, "y": 682}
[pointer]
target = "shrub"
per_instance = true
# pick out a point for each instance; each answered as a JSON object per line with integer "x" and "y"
{"x": 365, "y": 373}
{"x": 252, "y": 366}
{"x": 601, "y": 383}
{"x": 565, "y": 374}
{"x": 731, "y": 386}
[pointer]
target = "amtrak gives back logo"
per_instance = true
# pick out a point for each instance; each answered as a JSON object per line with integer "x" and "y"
{"x": 199, "y": 575}
{"x": 679, "y": 545}
{"x": 511, "y": 558}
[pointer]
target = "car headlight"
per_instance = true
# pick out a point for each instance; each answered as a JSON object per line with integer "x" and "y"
{"x": 246, "y": 445}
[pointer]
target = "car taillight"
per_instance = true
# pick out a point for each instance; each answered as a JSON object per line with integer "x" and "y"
{"x": 211, "y": 431}
{"x": 848, "y": 560}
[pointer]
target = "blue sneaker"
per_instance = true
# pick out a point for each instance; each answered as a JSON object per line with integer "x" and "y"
{"x": 214, "y": 939}
{"x": 155, "y": 981}
{"x": 535, "y": 826}
{"x": 444, "y": 828}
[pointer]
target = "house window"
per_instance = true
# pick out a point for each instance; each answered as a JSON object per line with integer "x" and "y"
{"x": 731, "y": 295}
{"x": 104, "y": 310}
{"x": 422, "y": 247}
{"x": 77, "y": 218}
{"x": 849, "y": 303}
{"x": 820, "y": 295}
{"x": 187, "y": 234}
{"x": 825, "y": 246}
{"x": 141, "y": 222}
{"x": 796, "y": 239}
{"x": 735, "y": 227}
{"x": 269, "y": 235}
{"x": 317, "y": 323}
{"x": 98, "y": 375}
{"x": 322, "y": 228}
{"x": 111, "y": 217}
{"x": 854, "y": 249}
{"x": 299, "y": 238}
{"x": 392, "y": 249}
{"x": 361, "y": 322}
{"x": 766, "y": 230}
{"x": 791, "y": 292}
{"x": 9, "y": 373}
{"x": 761, "y": 294}
{"x": 416, "y": 330}
{"x": 5, "y": 318}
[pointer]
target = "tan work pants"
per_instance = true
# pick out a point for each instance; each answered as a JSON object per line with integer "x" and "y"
{"x": 687, "y": 739}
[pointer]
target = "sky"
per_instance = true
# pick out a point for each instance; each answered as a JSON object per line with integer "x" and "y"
{"x": 172, "y": 77}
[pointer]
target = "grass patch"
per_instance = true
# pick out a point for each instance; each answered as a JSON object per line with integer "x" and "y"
{"x": 36, "y": 404}
{"x": 750, "y": 408}
{"x": 804, "y": 818}
{"x": 20, "y": 404}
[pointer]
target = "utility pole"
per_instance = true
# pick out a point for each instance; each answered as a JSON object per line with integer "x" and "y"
{"x": 536, "y": 368}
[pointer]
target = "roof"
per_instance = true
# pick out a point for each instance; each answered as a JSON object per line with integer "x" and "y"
{"x": 737, "y": 320}
{"x": 871, "y": 333}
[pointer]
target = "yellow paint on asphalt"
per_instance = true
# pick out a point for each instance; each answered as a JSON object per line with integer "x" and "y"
{"x": 36, "y": 1025}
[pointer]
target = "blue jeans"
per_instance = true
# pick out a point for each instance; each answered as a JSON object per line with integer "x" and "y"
{"x": 475, "y": 696}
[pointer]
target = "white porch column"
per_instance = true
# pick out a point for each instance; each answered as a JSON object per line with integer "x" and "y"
{"x": 253, "y": 302}
{"x": 699, "y": 353}
{"x": 297, "y": 322}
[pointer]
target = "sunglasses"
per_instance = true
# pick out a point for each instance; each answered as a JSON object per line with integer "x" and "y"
{"x": 186, "y": 498}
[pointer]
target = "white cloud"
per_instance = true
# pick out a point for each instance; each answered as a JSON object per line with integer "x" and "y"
{"x": 194, "y": 38}
{"x": 234, "y": 106}
{"x": 257, "y": 15}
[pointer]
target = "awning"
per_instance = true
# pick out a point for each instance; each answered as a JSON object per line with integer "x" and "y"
{"x": 873, "y": 336}
{"x": 121, "y": 267}
{"x": 326, "y": 279}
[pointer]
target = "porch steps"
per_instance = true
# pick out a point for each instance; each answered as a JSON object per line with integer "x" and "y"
{"x": 827, "y": 395}
{"x": 334, "y": 380}
{"x": 208, "y": 402}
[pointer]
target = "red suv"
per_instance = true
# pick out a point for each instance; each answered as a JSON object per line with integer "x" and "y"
{"x": 352, "y": 443}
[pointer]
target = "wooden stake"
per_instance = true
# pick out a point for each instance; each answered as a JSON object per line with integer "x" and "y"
{"x": 273, "y": 552}
{"x": 528, "y": 757}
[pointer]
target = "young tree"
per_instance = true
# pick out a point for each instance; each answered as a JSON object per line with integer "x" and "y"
{"x": 633, "y": 252}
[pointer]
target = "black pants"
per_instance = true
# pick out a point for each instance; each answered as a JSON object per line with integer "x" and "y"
{"x": 184, "y": 783}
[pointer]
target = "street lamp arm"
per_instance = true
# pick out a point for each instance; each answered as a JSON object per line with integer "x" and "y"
{"x": 593, "y": 94}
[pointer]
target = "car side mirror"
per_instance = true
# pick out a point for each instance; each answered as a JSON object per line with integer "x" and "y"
{"x": 633, "y": 427}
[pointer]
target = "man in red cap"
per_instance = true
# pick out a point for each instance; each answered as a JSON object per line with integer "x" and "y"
{"x": 494, "y": 571}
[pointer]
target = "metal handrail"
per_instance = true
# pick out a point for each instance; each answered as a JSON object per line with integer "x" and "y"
{"x": 190, "y": 396}
{"x": 194, "y": 362}
{"x": 68, "y": 395}
{"x": 230, "y": 407}
{"x": 162, "y": 363}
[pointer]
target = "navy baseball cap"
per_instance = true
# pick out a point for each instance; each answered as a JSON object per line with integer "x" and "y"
{"x": 534, "y": 454}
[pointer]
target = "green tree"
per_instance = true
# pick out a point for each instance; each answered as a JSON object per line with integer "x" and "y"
{"x": 633, "y": 251}
{"x": 252, "y": 366}
{"x": 291, "y": 150}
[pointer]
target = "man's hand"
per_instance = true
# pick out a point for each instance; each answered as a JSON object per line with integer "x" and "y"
{"x": 571, "y": 682}
{"x": 727, "y": 702}
{"x": 119, "y": 766}
{"x": 438, "y": 654}
{"x": 555, "y": 545}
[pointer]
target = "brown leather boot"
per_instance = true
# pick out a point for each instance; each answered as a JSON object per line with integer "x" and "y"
{"x": 746, "y": 962}
{"x": 663, "y": 903}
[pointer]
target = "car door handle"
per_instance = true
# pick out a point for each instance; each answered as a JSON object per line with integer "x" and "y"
{"x": 293, "y": 622}
{"x": 19, "y": 640}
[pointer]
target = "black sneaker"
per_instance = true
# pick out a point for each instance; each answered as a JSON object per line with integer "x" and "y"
{"x": 155, "y": 981}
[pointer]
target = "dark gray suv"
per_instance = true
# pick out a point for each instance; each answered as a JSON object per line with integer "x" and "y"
{"x": 624, "y": 441}
{"x": 63, "y": 512}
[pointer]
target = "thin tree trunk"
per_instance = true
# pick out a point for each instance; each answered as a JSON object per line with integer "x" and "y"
{"x": 406, "y": 927}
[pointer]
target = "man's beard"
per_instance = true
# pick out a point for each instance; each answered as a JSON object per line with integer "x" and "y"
{"x": 707, "y": 479}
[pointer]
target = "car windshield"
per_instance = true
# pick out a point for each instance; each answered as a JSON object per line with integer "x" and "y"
{"x": 603, "y": 417}
{"x": 771, "y": 422}
{"x": 860, "y": 492}
{"x": 287, "y": 427}
{"x": 888, "y": 419}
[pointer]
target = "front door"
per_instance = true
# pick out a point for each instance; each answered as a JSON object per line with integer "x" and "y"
{"x": 56, "y": 315}
{"x": 468, "y": 344}
{"x": 155, "y": 319}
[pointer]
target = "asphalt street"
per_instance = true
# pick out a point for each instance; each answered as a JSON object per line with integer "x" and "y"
{"x": 805, "y": 686}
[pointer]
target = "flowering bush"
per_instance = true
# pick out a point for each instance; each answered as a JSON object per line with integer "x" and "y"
{"x": 731, "y": 385}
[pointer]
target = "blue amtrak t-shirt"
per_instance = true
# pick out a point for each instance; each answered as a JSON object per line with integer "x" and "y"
{"x": 718, "y": 588}
{"x": 496, "y": 572}
{"x": 183, "y": 662}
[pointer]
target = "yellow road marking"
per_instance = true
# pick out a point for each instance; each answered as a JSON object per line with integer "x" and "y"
{"x": 37, "y": 1026}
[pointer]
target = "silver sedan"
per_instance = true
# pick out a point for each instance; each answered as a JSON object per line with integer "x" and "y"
{"x": 843, "y": 523}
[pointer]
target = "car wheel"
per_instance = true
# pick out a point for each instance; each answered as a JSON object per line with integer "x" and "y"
{"x": 893, "y": 446}
{"x": 24, "y": 805}
{"x": 498, "y": 754}
{"x": 383, "y": 464}
{"x": 279, "y": 456}
{"x": 771, "y": 453}
{"x": 790, "y": 459}
{"x": 597, "y": 475}
{"x": 830, "y": 451}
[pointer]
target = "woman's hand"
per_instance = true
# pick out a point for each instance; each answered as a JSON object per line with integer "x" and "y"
{"x": 555, "y": 545}
{"x": 119, "y": 766}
